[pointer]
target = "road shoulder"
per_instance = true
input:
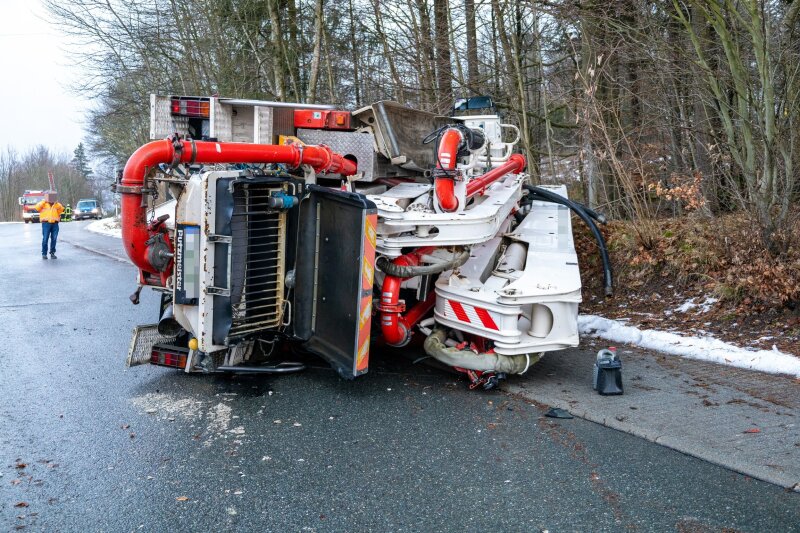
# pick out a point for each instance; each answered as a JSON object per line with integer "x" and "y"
{"x": 739, "y": 419}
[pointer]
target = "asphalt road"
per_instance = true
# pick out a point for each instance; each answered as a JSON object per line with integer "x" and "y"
{"x": 86, "y": 445}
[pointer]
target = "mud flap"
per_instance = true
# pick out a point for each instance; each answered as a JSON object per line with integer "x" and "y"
{"x": 334, "y": 274}
{"x": 142, "y": 341}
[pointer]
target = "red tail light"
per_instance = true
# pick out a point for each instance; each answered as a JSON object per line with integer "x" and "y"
{"x": 163, "y": 357}
{"x": 190, "y": 107}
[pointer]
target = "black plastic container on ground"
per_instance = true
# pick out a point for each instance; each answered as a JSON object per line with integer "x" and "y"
{"x": 609, "y": 377}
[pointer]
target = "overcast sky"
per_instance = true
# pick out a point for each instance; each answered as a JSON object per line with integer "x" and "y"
{"x": 36, "y": 104}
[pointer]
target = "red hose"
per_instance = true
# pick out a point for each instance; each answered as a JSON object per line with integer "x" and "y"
{"x": 447, "y": 157}
{"x": 515, "y": 164}
{"x": 135, "y": 231}
{"x": 445, "y": 192}
{"x": 396, "y": 328}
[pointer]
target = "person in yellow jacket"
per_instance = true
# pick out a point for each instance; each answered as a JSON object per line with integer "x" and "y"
{"x": 49, "y": 214}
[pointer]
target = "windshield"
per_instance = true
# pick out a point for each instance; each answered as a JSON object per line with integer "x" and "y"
{"x": 31, "y": 200}
{"x": 87, "y": 205}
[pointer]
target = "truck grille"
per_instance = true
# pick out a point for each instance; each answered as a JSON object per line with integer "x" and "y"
{"x": 257, "y": 260}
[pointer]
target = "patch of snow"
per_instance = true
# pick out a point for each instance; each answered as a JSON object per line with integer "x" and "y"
{"x": 106, "y": 226}
{"x": 11, "y": 222}
{"x": 685, "y": 306}
{"x": 706, "y": 305}
{"x": 703, "y": 348}
{"x": 688, "y": 305}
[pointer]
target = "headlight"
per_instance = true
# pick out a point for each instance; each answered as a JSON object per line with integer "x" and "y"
{"x": 95, "y": 210}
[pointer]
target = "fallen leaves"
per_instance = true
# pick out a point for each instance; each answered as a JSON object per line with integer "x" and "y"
{"x": 182, "y": 498}
{"x": 752, "y": 430}
{"x": 21, "y": 465}
{"x": 21, "y": 504}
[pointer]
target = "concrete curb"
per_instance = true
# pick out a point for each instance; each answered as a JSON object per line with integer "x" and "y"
{"x": 96, "y": 251}
{"x": 669, "y": 441}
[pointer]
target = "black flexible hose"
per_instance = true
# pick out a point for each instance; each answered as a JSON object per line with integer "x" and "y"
{"x": 538, "y": 191}
{"x": 578, "y": 209}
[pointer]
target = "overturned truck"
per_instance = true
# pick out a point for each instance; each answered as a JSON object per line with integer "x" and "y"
{"x": 268, "y": 227}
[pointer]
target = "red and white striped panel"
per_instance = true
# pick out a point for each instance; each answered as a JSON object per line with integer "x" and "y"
{"x": 470, "y": 314}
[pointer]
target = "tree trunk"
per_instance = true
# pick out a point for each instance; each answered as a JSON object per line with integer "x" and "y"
{"x": 473, "y": 73}
{"x": 315, "y": 58}
{"x": 428, "y": 72}
{"x": 444, "y": 74}
{"x": 354, "y": 55}
{"x": 277, "y": 49}
{"x": 388, "y": 53}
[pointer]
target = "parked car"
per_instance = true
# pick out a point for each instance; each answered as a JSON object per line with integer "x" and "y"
{"x": 87, "y": 208}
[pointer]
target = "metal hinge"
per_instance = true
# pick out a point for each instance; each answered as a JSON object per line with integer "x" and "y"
{"x": 218, "y": 291}
{"x": 213, "y": 237}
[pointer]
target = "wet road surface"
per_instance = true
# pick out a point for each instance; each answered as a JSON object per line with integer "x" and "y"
{"x": 86, "y": 445}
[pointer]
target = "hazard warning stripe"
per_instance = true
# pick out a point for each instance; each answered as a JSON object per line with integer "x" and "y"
{"x": 472, "y": 315}
{"x": 458, "y": 309}
{"x": 365, "y": 305}
{"x": 486, "y": 318}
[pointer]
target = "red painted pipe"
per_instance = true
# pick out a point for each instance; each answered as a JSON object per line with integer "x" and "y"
{"x": 515, "y": 164}
{"x": 135, "y": 229}
{"x": 395, "y": 327}
{"x": 419, "y": 310}
{"x": 447, "y": 157}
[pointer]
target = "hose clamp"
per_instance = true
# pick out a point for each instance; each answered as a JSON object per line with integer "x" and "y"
{"x": 300, "y": 160}
{"x": 329, "y": 153}
{"x": 129, "y": 189}
{"x": 177, "y": 151}
{"x": 194, "y": 152}
{"x": 399, "y": 307}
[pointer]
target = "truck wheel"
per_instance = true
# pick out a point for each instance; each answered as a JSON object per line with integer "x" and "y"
{"x": 27, "y": 221}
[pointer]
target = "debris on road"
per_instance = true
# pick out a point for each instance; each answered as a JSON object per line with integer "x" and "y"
{"x": 556, "y": 412}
